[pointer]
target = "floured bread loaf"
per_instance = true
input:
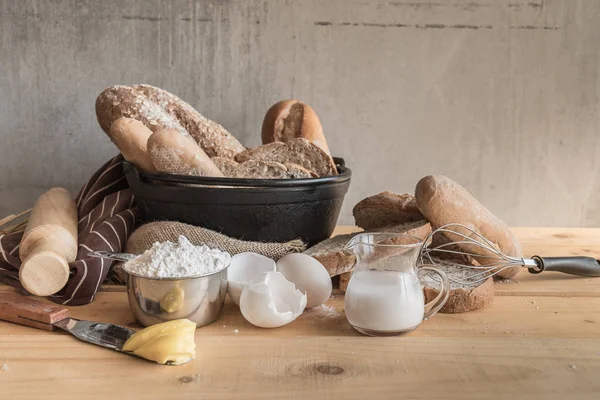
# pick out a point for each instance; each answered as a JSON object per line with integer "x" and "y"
{"x": 211, "y": 136}
{"x": 158, "y": 109}
{"x": 297, "y": 151}
{"x": 464, "y": 296}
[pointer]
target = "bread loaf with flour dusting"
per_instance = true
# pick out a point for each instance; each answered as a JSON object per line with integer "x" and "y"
{"x": 158, "y": 109}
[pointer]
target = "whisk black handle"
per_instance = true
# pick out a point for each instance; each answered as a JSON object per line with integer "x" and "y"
{"x": 584, "y": 266}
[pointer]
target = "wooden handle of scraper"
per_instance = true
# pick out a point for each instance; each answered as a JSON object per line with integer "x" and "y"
{"x": 49, "y": 243}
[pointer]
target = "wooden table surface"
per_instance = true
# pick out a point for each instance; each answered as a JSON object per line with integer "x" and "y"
{"x": 540, "y": 338}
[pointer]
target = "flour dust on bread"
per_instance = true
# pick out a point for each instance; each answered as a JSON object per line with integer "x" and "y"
{"x": 214, "y": 139}
{"x": 386, "y": 209}
{"x": 158, "y": 109}
{"x": 443, "y": 201}
{"x": 297, "y": 151}
{"x": 466, "y": 294}
{"x": 290, "y": 119}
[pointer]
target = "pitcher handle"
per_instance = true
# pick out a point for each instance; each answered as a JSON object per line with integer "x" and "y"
{"x": 442, "y": 297}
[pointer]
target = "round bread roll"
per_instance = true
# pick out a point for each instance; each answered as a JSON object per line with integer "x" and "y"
{"x": 290, "y": 119}
{"x": 173, "y": 153}
{"x": 131, "y": 138}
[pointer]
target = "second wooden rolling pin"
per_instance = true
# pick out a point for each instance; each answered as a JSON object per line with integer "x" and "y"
{"x": 49, "y": 243}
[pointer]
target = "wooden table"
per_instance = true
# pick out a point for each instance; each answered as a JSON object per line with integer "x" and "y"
{"x": 540, "y": 338}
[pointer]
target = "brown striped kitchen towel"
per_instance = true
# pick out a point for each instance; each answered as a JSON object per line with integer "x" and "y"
{"x": 107, "y": 217}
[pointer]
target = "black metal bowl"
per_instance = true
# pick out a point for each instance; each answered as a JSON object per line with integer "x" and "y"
{"x": 267, "y": 210}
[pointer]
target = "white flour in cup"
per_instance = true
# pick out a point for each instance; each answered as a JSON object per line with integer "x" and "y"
{"x": 178, "y": 260}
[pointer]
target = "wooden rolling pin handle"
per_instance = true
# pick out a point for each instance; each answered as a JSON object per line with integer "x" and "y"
{"x": 49, "y": 243}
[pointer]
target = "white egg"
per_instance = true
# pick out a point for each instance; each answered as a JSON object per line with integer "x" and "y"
{"x": 308, "y": 275}
{"x": 243, "y": 268}
{"x": 271, "y": 301}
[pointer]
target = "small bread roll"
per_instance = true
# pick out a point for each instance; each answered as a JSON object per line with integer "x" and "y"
{"x": 131, "y": 138}
{"x": 290, "y": 119}
{"x": 173, "y": 153}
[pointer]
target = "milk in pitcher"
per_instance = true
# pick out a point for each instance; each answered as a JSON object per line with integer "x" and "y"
{"x": 384, "y": 301}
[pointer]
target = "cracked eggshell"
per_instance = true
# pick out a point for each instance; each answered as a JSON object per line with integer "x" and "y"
{"x": 309, "y": 275}
{"x": 243, "y": 268}
{"x": 271, "y": 301}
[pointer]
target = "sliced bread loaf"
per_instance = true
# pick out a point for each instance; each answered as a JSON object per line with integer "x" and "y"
{"x": 297, "y": 151}
{"x": 465, "y": 293}
{"x": 386, "y": 209}
{"x": 254, "y": 169}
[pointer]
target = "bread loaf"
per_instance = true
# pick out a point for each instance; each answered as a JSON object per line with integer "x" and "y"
{"x": 385, "y": 209}
{"x": 122, "y": 101}
{"x": 173, "y": 153}
{"x": 131, "y": 138}
{"x": 444, "y": 201}
{"x": 226, "y": 165}
{"x": 253, "y": 169}
{"x": 215, "y": 140}
{"x": 465, "y": 293}
{"x": 297, "y": 151}
{"x": 158, "y": 109}
{"x": 290, "y": 119}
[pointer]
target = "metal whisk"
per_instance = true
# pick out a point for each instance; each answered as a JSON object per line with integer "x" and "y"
{"x": 468, "y": 249}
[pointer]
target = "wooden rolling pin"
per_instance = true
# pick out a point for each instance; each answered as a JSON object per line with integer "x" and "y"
{"x": 49, "y": 243}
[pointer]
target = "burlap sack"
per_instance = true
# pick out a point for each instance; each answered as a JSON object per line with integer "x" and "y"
{"x": 162, "y": 231}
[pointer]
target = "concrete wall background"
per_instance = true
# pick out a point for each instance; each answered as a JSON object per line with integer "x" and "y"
{"x": 502, "y": 96}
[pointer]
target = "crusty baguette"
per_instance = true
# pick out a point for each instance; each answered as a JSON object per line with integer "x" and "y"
{"x": 385, "y": 209}
{"x": 297, "y": 151}
{"x": 131, "y": 138}
{"x": 464, "y": 296}
{"x": 215, "y": 140}
{"x": 173, "y": 153}
{"x": 338, "y": 260}
{"x": 291, "y": 119}
{"x": 444, "y": 201}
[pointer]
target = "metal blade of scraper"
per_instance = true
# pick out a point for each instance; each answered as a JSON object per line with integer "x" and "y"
{"x": 110, "y": 336}
{"x": 29, "y": 312}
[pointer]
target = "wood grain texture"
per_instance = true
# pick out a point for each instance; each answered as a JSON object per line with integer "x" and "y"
{"x": 538, "y": 339}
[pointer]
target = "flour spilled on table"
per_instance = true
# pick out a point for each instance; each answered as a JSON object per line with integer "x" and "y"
{"x": 325, "y": 312}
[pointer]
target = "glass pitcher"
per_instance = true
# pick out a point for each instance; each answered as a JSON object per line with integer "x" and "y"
{"x": 384, "y": 295}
